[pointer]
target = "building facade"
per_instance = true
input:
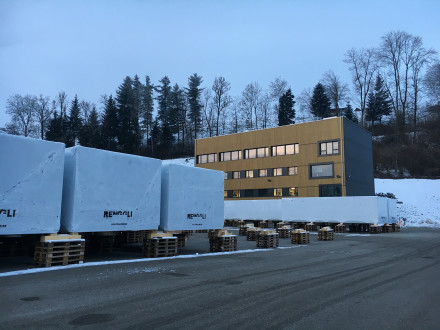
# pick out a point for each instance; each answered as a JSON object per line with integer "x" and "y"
{"x": 330, "y": 157}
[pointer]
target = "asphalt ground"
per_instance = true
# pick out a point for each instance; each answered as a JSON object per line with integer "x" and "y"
{"x": 357, "y": 281}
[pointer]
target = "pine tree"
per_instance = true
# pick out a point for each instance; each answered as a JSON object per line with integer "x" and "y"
{"x": 320, "y": 102}
{"x": 163, "y": 99}
{"x": 379, "y": 103}
{"x": 90, "y": 132}
{"x": 286, "y": 112}
{"x": 147, "y": 108}
{"x": 74, "y": 123}
{"x": 349, "y": 114}
{"x": 109, "y": 127}
{"x": 193, "y": 93}
{"x": 129, "y": 136}
{"x": 177, "y": 112}
{"x": 55, "y": 128}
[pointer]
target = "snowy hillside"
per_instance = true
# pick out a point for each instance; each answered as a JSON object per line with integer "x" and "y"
{"x": 420, "y": 197}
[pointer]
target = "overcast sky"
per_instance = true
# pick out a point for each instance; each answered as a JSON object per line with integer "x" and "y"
{"x": 88, "y": 47}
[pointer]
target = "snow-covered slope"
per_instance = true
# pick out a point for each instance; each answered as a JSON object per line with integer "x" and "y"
{"x": 420, "y": 197}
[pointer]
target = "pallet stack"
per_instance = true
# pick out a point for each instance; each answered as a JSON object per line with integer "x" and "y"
{"x": 135, "y": 236}
{"x": 263, "y": 224}
{"x": 59, "y": 250}
{"x": 375, "y": 229}
{"x": 386, "y": 228}
{"x": 222, "y": 241}
{"x": 181, "y": 238}
{"x": 326, "y": 234}
{"x": 395, "y": 227}
{"x": 252, "y": 233}
{"x": 310, "y": 226}
{"x": 244, "y": 228}
{"x": 300, "y": 236}
{"x": 157, "y": 245}
{"x": 267, "y": 239}
{"x": 340, "y": 228}
{"x": 104, "y": 242}
{"x": 284, "y": 231}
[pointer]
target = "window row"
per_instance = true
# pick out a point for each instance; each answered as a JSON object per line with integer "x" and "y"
{"x": 269, "y": 192}
{"x": 208, "y": 158}
{"x": 268, "y": 172}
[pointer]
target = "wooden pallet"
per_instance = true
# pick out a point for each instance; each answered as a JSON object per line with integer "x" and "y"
{"x": 267, "y": 241}
{"x": 326, "y": 235}
{"x": 284, "y": 232}
{"x": 300, "y": 237}
{"x": 223, "y": 243}
{"x": 310, "y": 227}
{"x": 263, "y": 224}
{"x": 395, "y": 227}
{"x": 375, "y": 229}
{"x": 251, "y": 235}
{"x": 59, "y": 253}
{"x": 340, "y": 228}
{"x": 181, "y": 239}
{"x": 103, "y": 243}
{"x": 136, "y": 236}
{"x": 386, "y": 228}
{"x": 159, "y": 247}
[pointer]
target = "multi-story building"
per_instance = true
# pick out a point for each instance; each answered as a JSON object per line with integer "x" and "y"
{"x": 330, "y": 157}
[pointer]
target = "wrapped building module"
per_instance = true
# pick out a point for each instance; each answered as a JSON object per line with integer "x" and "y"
{"x": 192, "y": 198}
{"x": 110, "y": 191}
{"x": 31, "y": 183}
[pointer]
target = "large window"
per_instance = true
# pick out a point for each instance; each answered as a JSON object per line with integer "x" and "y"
{"x": 208, "y": 158}
{"x": 328, "y": 148}
{"x": 321, "y": 171}
{"x": 256, "y": 153}
{"x": 293, "y": 192}
{"x": 330, "y": 190}
{"x": 250, "y": 174}
{"x": 236, "y": 175}
{"x": 230, "y": 155}
{"x": 287, "y": 149}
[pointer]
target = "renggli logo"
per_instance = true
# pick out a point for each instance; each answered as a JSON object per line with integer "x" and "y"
{"x": 196, "y": 215}
{"x": 9, "y": 213}
{"x": 110, "y": 214}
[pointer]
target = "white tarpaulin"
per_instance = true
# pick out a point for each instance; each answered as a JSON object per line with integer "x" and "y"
{"x": 192, "y": 198}
{"x": 31, "y": 181}
{"x": 362, "y": 209}
{"x": 110, "y": 191}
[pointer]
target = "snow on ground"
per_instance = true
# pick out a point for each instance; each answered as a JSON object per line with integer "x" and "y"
{"x": 420, "y": 198}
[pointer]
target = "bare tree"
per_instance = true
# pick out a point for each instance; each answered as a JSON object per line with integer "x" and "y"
{"x": 305, "y": 106}
{"x": 362, "y": 64}
{"x": 22, "y": 110}
{"x": 336, "y": 90}
{"x": 250, "y": 99}
{"x": 43, "y": 113}
{"x": 221, "y": 98}
{"x": 236, "y": 116}
{"x": 265, "y": 106}
{"x": 62, "y": 103}
{"x": 208, "y": 111}
{"x": 277, "y": 88}
{"x": 432, "y": 83}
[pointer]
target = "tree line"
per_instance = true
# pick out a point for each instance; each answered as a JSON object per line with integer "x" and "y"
{"x": 395, "y": 87}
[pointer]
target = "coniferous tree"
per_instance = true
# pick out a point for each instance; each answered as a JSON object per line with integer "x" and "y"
{"x": 177, "y": 112}
{"x": 286, "y": 112}
{"x": 109, "y": 127}
{"x": 320, "y": 102}
{"x": 129, "y": 136}
{"x": 379, "y": 103}
{"x": 193, "y": 93}
{"x": 55, "y": 128}
{"x": 349, "y": 114}
{"x": 163, "y": 99}
{"x": 147, "y": 108}
{"x": 90, "y": 132}
{"x": 74, "y": 123}
{"x": 155, "y": 137}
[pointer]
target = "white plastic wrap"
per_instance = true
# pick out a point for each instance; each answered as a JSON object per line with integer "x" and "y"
{"x": 362, "y": 209}
{"x": 31, "y": 182}
{"x": 110, "y": 191}
{"x": 192, "y": 198}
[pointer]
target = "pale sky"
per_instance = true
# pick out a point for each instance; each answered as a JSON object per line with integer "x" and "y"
{"x": 88, "y": 47}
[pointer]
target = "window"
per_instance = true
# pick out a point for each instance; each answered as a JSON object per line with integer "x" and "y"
{"x": 256, "y": 153}
{"x": 328, "y": 148}
{"x": 236, "y": 193}
{"x": 330, "y": 190}
{"x": 236, "y": 175}
{"x": 287, "y": 149}
{"x": 250, "y": 174}
{"x": 293, "y": 170}
{"x": 230, "y": 155}
{"x": 262, "y": 173}
{"x": 293, "y": 192}
{"x": 226, "y": 175}
{"x": 277, "y": 171}
{"x": 208, "y": 158}
{"x": 278, "y": 192}
{"x": 225, "y": 194}
{"x": 321, "y": 171}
